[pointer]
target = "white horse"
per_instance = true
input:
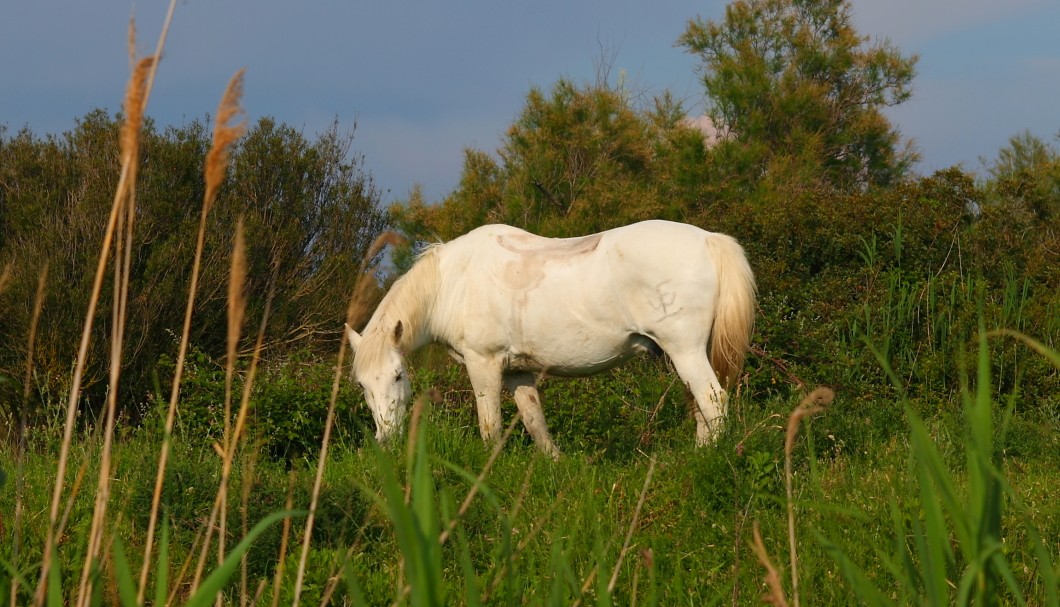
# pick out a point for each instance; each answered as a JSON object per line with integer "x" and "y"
{"x": 510, "y": 305}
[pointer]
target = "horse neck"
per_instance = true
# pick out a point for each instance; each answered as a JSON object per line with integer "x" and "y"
{"x": 410, "y": 300}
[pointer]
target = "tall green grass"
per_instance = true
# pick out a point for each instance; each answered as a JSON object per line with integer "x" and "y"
{"x": 949, "y": 544}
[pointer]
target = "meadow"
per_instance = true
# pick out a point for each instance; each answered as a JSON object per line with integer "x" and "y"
{"x": 894, "y": 501}
{"x": 180, "y": 426}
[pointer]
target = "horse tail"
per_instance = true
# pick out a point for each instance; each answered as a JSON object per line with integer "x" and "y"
{"x": 735, "y": 314}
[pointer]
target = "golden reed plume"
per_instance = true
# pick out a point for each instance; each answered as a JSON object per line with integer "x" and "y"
{"x": 224, "y": 136}
{"x": 135, "y": 100}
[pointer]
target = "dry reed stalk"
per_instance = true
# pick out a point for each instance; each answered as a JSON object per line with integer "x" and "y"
{"x": 281, "y": 564}
{"x": 524, "y": 490}
{"x": 812, "y": 404}
{"x": 20, "y": 438}
{"x": 772, "y": 578}
{"x": 625, "y": 546}
{"x": 223, "y": 136}
{"x": 361, "y": 299}
{"x": 244, "y": 506}
{"x": 240, "y": 424}
{"x": 236, "y": 309}
{"x": 136, "y": 101}
{"x": 130, "y": 151}
{"x": 354, "y": 310}
{"x": 178, "y": 581}
{"x": 535, "y": 527}
{"x": 632, "y": 525}
{"x": 497, "y": 448}
{"x": 646, "y": 435}
{"x": 406, "y": 589}
{"x": 5, "y": 277}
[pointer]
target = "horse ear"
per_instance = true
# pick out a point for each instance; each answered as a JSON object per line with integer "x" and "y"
{"x": 355, "y": 339}
{"x": 399, "y": 330}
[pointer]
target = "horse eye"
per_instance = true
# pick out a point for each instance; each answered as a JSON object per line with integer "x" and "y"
{"x": 400, "y": 376}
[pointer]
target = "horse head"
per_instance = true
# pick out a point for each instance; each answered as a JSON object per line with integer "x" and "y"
{"x": 379, "y": 367}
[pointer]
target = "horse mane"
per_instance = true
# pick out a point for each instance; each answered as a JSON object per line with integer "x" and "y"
{"x": 409, "y": 300}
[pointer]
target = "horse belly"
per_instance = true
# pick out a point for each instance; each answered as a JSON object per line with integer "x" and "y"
{"x": 573, "y": 349}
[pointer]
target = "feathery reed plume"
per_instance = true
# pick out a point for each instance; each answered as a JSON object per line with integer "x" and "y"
{"x": 215, "y": 169}
{"x": 131, "y": 41}
{"x": 225, "y": 134}
{"x": 772, "y": 578}
{"x": 812, "y": 404}
{"x": 134, "y": 106}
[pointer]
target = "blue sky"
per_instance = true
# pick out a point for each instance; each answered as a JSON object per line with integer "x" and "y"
{"x": 424, "y": 80}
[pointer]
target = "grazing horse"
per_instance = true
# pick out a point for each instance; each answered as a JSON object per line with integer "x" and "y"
{"x": 510, "y": 306}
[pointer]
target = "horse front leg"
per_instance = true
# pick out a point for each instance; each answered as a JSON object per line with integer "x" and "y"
{"x": 485, "y": 375}
{"x": 523, "y": 387}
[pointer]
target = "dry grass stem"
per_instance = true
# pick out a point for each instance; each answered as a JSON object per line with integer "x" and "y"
{"x": 358, "y": 304}
{"x": 535, "y": 527}
{"x": 814, "y": 403}
{"x": 318, "y": 479}
{"x": 244, "y": 505}
{"x": 524, "y": 490}
{"x": 497, "y": 448}
{"x": 135, "y": 102}
{"x": 182, "y": 350}
{"x": 125, "y": 203}
{"x": 20, "y": 438}
{"x": 236, "y": 310}
{"x": 772, "y": 578}
{"x": 281, "y": 563}
{"x": 241, "y": 418}
{"x": 5, "y": 277}
{"x": 178, "y": 581}
{"x": 632, "y": 526}
{"x": 646, "y": 435}
{"x": 361, "y": 300}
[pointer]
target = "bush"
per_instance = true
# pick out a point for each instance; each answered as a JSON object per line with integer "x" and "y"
{"x": 310, "y": 212}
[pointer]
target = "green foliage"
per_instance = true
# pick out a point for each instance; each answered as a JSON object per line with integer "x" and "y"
{"x": 288, "y": 406}
{"x": 579, "y": 159}
{"x": 310, "y": 213}
{"x": 795, "y": 88}
{"x": 951, "y": 548}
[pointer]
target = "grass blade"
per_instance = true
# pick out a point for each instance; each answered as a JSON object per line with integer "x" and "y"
{"x": 126, "y": 585}
{"x": 213, "y": 584}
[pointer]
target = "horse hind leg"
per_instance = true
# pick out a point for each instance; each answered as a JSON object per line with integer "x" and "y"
{"x": 711, "y": 399}
{"x": 524, "y": 389}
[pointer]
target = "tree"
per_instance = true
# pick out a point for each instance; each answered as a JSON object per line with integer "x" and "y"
{"x": 310, "y": 210}
{"x": 579, "y": 159}
{"x": 796, "y": 88}
{"x": 1024, "y": 154}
